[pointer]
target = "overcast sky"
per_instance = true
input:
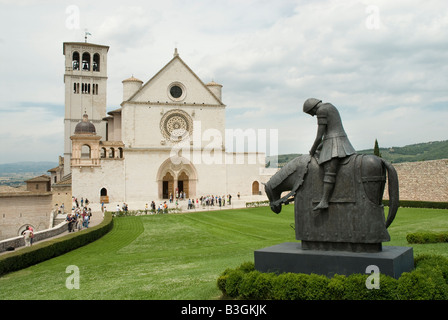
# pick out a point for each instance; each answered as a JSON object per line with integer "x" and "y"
{"x": 383, "y": 64}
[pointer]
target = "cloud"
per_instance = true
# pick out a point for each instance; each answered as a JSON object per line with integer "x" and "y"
{"x": 388, "y": 80}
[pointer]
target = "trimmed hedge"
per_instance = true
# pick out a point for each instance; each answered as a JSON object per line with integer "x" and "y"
{"x": 420, "y": 204}
{"x": 427, "y": 237}
{"x": 428, "y": 281}
{"x": 256, "y": 204}
{"x": 48, "y": 249}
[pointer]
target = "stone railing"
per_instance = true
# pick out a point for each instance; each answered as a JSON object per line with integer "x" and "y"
{"x": 19, "y": 241}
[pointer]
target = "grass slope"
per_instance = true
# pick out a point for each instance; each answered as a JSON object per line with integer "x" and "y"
{"x": 180, "y": 256}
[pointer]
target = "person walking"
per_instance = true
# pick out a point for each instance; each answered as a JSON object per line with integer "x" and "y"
{"x": 27, "y": 236}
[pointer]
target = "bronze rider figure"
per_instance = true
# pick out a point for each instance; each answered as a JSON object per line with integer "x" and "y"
{"x": 331, "y": 143}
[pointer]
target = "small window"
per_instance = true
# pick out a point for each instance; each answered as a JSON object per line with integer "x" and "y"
{"x": 176, "y": 92}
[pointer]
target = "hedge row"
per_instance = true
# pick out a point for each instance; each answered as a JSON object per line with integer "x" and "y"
{"x": 403, "y": 203}
{"x": 143, "y": 212}
{"x": 48, "y": 249}
{"x": 428, "y": 281}
{"x": 427, "y": 237}
{"x": 256, "y": 204}
{"x": 420, "y": 204}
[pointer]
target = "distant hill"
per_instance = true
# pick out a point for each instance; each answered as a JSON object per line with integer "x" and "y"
{"x": 37, "y": 168}
{"x": 415, "y": 152}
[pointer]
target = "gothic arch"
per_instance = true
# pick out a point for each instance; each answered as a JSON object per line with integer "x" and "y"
{"x": 179, "y": 168}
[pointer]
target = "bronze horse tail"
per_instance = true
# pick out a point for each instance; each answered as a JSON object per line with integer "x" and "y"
{"x": 394, "y": 199}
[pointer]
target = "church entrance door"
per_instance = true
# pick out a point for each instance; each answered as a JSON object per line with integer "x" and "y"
{"x": 182, "y": 184}
{"x": 167, "y": 185}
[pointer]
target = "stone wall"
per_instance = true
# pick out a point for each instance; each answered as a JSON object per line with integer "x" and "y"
{"x": 423, "y": 180}
{"x": 19, "y": 241}
{"x": 17, "y": 210}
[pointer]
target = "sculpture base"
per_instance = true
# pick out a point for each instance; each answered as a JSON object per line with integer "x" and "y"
{"x": 290, "y": 257}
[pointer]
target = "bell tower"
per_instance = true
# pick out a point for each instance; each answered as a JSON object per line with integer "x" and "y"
{"x": 85, "y": 81}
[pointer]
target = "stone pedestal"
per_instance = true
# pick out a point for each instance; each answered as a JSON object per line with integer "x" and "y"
{"x": 290, "y": 257}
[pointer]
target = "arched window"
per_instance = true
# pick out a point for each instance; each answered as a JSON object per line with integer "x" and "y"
{"x": 96, "y": 62}
{"x": 103, "y": 153}
{"x": 120, "y": 152}
{"x": 111, "y": 153}
{"x": 85, "y": 152}
{"x": 86, "y": 61}
{"x": 103, "y": 192}
{"x": 75, "y": 60}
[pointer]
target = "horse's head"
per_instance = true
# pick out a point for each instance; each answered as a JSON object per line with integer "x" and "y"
{"x": 272, "y": 198}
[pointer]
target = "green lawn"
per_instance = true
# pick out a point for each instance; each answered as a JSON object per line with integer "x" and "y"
{"x": 180, "y": 256}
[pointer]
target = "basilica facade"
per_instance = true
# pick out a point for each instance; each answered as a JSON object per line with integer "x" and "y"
{"x": 167, "y": 138}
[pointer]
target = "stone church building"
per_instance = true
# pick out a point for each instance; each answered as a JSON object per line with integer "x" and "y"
{"x": 167, "y": 137}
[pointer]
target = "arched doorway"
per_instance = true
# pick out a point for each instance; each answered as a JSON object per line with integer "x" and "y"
{"x": 103, "y": 196}
{"x": 255, "y": 188}
{"x": 168, "y": 186}
{"x": 183, "y": 175}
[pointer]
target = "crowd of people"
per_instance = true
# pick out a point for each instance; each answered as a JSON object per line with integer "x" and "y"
{"x": 80, "y": 216}
{"x": 205, "y": 201}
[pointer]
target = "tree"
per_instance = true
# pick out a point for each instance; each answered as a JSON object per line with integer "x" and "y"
{"x": 376, "y": 149}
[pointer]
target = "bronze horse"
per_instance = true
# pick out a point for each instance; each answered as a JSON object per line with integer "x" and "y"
{"x": 355, "y": 219}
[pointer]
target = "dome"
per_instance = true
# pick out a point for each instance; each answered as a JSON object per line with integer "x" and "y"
{"x": 213, "y": 83}
{"x": 132, "y": 79}
{"x": 85, "y": 126}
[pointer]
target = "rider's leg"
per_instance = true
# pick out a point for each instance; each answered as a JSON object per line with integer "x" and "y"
{"x": 330, "y": 170}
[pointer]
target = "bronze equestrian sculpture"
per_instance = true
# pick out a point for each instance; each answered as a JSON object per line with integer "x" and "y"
{"x": 337, "y": 193}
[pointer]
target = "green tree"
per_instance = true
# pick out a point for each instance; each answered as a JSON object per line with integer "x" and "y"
{"x": 376, "y": 149}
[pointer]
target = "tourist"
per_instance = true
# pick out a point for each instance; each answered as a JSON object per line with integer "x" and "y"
{"x": 79, "y": 222}
{"x": 31, "y": 235}
{"x": 27, "y": 237}
{"x": 68, "y": 219}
